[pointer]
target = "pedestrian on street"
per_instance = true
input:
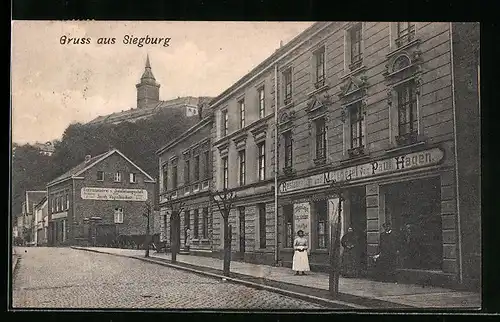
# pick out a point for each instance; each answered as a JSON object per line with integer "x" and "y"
{"x": 388, "y": 255}
{"x": 408, "y": 244}
{"x": 350, "y": 255}
{"x": 187, "y": 240}
{"x": 300, "y": 262}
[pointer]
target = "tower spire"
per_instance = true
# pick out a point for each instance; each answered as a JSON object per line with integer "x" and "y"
{"x": 148, "y": 65}
{"x": 148, "y": 90}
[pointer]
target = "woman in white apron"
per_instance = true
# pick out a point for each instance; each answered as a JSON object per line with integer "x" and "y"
{"x": 300, "y": 261}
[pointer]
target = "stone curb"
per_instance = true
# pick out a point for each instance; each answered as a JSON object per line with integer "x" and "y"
{"x": 310, "y": 298}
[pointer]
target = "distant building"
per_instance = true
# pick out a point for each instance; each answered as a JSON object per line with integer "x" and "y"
{"x": 45, "y": 148}
{"x": 25, "y": 222}
{"x": 40, "y": 218}
{"x": 100, "y": 199}
{"x": 149, "y": 103}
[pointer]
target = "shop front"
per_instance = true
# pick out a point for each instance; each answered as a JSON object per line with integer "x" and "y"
{"x": 413, "y": 192}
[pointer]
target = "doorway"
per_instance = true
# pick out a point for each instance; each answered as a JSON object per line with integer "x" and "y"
{"x": 241, "y": 214}
{"x": 357, "y": 199}
{"x": 414, "y": 209}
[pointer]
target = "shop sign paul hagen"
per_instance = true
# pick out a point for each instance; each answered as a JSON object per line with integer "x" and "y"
{"x": 374, "y": 168}
{"x": 114, "y": 194}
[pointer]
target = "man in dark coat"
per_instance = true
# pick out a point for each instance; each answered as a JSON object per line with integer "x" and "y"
{"x": 389, "y": 249}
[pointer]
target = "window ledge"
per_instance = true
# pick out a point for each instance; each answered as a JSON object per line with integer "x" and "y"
{"x": 353, "y": 72}
{"x": 288, "y": 104}
{"x": 402, "y": 48}
{"x": 320, "y": 161}
{"x": 397, "y": 148}
{"x": 318, "y": 90}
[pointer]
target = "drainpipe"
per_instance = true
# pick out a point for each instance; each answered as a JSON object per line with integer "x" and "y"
{"x": 276, "y": 225}
{"x": 459, "y": 229}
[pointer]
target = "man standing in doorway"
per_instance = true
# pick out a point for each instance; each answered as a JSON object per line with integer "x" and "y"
{"x": 387, "y": 258}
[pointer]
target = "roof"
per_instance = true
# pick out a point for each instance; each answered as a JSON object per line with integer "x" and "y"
{"x": 34, "y": 197}
{"x": 42, "y": 202}
{"x": 315, "y": 27}
{"x": 84, "y": 166}
{"x": 136, "y": 113}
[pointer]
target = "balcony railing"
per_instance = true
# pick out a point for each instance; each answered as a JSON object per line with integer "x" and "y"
{"x": 356, "y": 152}
{"x": 407, "y": 138}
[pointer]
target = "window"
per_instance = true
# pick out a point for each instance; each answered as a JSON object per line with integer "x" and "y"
{"x": 322, "y": 224}
{"x": 196, "y": 168}
{"x": 58, "y": 202}
{"x": 320, "y": 67}
{"x": 355, "y": 39}
{"x": 165, "y": 176}
{"x": 224, "y": 173}
{"x": 262, "y": 104}
{"x": 174, "y": 176}
{"x": 133, "y": 177}
{"x": 262, "y": 160}
{"x": 195, "y": 224}
{"x": 63, "y": 227}
{"x": 118, "y": 215}
{"x": 118, "y": 176}
{"x": 206, "y": 158}
{"x": 320, "y": 138}
{"x": 288, "y": 149}
{"x": 186, "y": 171}
{"x": 187, "y": 220}
{"x": 356, "y": 125}
{"x": 287, "y": 77}
{"x": 100, "y": 175}
{"x": 205, "y": 223}
{"x": 241, "y": 105}
{"x": 289, "y": 229}
{"x": 262, "y": 225}
{"x": 241, "y": 170}
{"x": 407, "y": 108}
{"x": 225, "y": 119}
{"x": 405, "y": 32}
{"x": 53, "y": 203}
{"x": 67, "y": 201}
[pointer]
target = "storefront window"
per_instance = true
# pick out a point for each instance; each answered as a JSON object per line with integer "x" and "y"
{"x": 322, "y": 224}
{"x": 289, "y": 233}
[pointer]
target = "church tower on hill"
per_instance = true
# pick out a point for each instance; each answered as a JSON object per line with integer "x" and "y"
{"x": 148, "y": 91}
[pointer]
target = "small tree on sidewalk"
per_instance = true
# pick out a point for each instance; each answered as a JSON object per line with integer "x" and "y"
{"x": 224, "y": 200}
{"x": 175, "y": 221}
{"x": 334, "y": 249}
{"x": 148, "y": 209}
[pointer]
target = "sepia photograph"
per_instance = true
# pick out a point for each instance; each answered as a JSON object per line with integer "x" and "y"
{"x": 259, "y": 166}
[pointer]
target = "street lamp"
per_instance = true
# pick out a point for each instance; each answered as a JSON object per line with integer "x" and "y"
{"x": 147, "y": 214}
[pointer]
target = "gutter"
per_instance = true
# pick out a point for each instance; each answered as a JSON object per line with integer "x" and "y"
{"x": 276, "y": 155}
{"x": 459, "y": 228}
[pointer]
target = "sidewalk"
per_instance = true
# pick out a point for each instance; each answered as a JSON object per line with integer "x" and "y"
{"x": 400, "y": 295}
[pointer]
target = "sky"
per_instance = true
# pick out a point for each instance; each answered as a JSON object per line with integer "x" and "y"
{"x": 55, "y": 84}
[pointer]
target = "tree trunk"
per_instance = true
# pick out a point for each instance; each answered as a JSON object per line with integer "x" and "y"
{"x": 174, "y": 240}
{"x": 333, "y": 280}
{"x": 227, "y": 247}
{"x": 147, "y": 237}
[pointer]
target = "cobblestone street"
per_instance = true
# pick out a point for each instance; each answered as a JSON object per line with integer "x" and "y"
{"x": 68, "y": 278}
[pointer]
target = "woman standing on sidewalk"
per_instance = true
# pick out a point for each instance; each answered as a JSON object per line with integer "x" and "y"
{"x": 300, "y": 262}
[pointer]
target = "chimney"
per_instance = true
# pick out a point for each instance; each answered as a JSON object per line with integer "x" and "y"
{"x": 87, "y": 158}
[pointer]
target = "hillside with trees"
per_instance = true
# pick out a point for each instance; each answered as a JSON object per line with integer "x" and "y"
{"x": 138, "y": 141}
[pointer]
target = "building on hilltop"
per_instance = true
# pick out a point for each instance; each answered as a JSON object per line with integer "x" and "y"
{"x": 149, "y": 103}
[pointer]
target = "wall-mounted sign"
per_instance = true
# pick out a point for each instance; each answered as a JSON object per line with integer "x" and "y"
{"x": 302, "y": 218}
{"x": 59, "y": 215}
{"x": 90, "y": 193}
{"x": 385, "y": 166}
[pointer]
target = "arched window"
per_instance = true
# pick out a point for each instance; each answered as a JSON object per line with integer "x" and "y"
{"x": 400, "y": 63}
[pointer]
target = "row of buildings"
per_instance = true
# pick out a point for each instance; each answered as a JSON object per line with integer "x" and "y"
{"x": 387, "y": 110}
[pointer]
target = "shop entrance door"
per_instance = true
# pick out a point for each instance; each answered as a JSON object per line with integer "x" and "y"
{"x": 414, "y": 209}
{"x": 357, "y": 198}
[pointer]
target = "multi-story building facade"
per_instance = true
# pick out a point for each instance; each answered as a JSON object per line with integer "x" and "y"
{"x": 186, "y": 179}
{"x": 26, "y": 220}
{"x": 103, "y": 197}
{"x": 40, "y": 224}
{"x": 375, "y": 107}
